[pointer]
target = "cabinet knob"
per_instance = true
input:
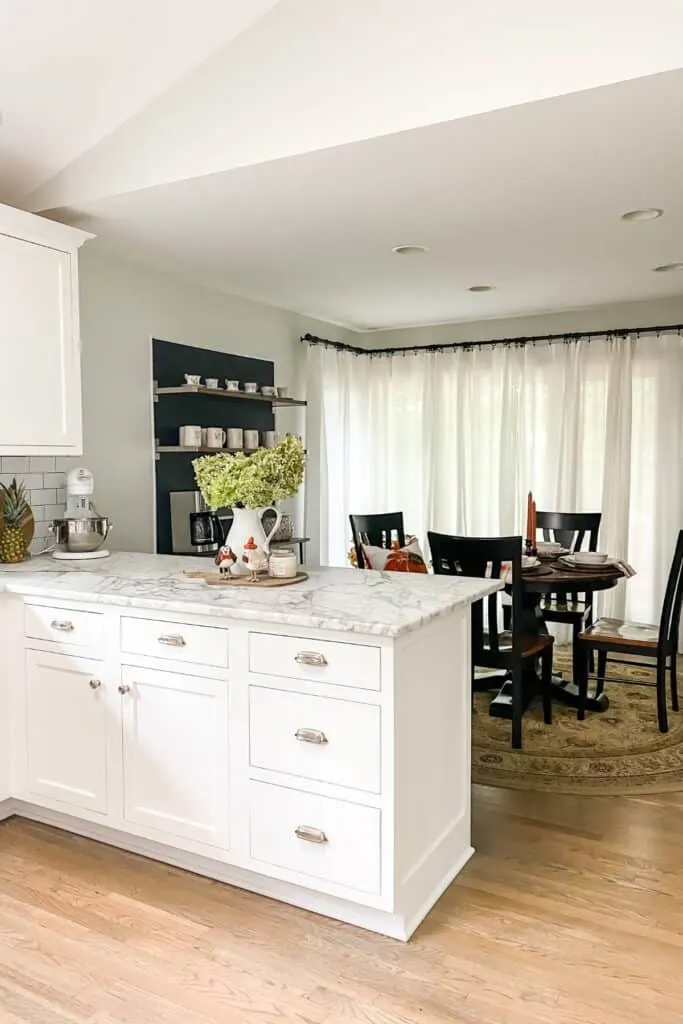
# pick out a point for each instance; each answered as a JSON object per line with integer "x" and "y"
{"x": 124, "y": 689}
{"x": 172, "y": 640}
{"x": 63, "y": 625}
{"x": 95, "y": 684}
{"x": 310, "y": 835}
{"x": 310, "y": 736}
{"x": 310, "y": 658}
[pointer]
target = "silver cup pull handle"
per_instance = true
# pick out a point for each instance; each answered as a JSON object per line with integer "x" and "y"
{"x": 172, "y": 640}
{"x": 95, "y": 684}
{"x": 310, "y": 835}
{"x": 313, "y": 658}
{"x": 62, "y": 625}
{"x": 311, "y": 736}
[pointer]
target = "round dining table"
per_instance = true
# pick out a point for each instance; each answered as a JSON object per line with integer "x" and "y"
{"x": 552, "y": 577}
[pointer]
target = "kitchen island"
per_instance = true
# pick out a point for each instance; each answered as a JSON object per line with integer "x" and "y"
{"x": 310, "y": 743}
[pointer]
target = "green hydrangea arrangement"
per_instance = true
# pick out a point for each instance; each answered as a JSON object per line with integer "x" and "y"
{"x": 251, "y": 481}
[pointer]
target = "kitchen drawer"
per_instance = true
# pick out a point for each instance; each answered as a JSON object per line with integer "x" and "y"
{"x": 322, "y": 661}
{"x": 175, "y": 641}
{"x": 63, "y": 625}
{"x": 343, "y": 839}
{"x": 319, "y": 738}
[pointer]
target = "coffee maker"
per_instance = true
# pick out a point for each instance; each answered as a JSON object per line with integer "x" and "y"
{"x": 194, "y": 529}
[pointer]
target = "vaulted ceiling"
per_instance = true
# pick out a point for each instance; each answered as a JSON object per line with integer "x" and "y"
{"x": 280, "y": 149}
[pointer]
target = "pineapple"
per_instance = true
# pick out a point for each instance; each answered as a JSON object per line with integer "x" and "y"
{"x": 16, "y": 508}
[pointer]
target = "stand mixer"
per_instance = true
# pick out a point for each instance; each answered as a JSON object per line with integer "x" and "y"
{"x": 82, "y": 531}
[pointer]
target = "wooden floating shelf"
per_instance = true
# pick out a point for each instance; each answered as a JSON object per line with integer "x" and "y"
{"x": 198, "y": 389}
{"x": 166, "y": 449}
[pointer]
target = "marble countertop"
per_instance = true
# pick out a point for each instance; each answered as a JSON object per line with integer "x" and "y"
{"x": 348, "y": 600}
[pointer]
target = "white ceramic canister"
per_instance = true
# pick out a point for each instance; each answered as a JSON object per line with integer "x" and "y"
{"x": 282, "y": 563}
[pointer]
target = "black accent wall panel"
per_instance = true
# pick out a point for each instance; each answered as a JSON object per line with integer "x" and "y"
{"x": 170, "y": 362}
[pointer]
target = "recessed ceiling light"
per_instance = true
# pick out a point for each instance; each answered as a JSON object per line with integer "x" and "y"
{"x": 409, "y": 249}
{"x": 652, "y": 213}
{"x": 480, "y": 288}
{"x": 665, "y": 268}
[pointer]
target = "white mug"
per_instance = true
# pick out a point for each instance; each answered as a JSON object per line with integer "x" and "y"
{"x": 269, "y": 390}
{"x": 235, "y": 437}
{"x": 193, "y": 379}
{"x": 232, "y": 385}
{"x": 190, "y": 437}
{"x": 251, "y": 388}
{"x": 251, "y": 439}
{"x": 213, "y": 437}
{"x": 270, "y": 438}
{"x": 212, "y": 382}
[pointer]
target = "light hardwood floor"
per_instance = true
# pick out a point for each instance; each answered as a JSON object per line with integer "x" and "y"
{"x": 571, "y": 912}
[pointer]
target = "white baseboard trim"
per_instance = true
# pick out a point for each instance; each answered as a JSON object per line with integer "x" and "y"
{"x": 419, "y": 915}
{"x": 7, "y": 809}
{"x": 382, "y": 922}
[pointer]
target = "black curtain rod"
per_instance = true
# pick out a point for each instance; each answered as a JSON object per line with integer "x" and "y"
{"x": 618, "y": 332}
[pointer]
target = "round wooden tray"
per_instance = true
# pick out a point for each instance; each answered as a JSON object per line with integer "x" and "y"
{"x": 262, "y": 581}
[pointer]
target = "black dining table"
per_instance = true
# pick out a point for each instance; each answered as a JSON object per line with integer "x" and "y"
{"x": 552, "y": 577}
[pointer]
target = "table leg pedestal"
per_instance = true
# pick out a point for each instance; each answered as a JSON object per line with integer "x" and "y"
{"x": 564, "y": 690}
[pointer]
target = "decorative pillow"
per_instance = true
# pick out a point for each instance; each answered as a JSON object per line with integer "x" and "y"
{"x": 395, "y": 559}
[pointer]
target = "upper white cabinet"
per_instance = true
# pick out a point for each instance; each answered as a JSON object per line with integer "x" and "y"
{"x": 40, "y": 351}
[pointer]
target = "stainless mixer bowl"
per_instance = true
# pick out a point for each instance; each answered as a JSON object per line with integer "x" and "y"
{"x": 76, "y": 535}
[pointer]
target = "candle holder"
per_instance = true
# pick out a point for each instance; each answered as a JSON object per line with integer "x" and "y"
{"x": 530, "y": 548}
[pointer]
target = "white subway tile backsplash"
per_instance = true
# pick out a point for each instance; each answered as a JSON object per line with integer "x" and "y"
{"x": 66, "y": 462}
{"x": 43, "y": 496}
{"x": 15, "y": 464}
{"x": 29, "y": 480}
{"x": 54, "y": 480}
{"x": 41, "y": 463}
{"x": 45, "y": 491}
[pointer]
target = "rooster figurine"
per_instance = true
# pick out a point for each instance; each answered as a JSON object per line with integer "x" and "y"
{"x": 225, "y": 559}
{"x": 254, "y": 558}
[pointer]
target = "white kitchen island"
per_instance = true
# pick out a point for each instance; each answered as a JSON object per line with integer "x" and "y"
{"x": 310, "y": 743}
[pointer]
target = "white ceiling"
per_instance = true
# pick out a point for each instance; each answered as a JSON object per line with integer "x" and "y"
{"x": 72, "y": 71}
{"x": 526, "y": 199}
{"x": 279, "y": 150}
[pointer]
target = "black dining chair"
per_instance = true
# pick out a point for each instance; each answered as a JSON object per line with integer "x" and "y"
{"x": 572, "y": 530}
{"x": 376, "y": 530}
{"x": 492, "y": 645}
{"x": 655, "y": 643}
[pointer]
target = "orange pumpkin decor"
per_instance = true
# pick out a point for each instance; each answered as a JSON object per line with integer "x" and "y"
{"x": 405, "y": 560}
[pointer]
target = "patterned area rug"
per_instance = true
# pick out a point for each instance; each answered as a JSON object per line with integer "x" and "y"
{"x": 620, "y": 751}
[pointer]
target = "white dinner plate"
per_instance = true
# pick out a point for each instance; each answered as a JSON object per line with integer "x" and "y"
{"x": 571, "y": 563}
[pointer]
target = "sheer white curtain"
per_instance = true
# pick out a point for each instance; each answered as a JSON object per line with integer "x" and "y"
{"x": 455, "y": 440}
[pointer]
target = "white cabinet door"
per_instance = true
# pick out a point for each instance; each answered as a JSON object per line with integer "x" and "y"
{"x": 40, "y": 389}
{"x": 175, "y": 755}
{"x": 66, "y": 730}
{"x": 5, "y": 787}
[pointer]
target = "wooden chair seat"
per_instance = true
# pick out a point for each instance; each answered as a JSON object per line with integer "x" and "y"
{"x": 532, "y": 646}
{"x": 622, "y": 633}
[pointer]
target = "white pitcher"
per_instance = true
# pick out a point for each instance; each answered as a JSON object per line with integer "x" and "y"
{"x": 247, "y": 522}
